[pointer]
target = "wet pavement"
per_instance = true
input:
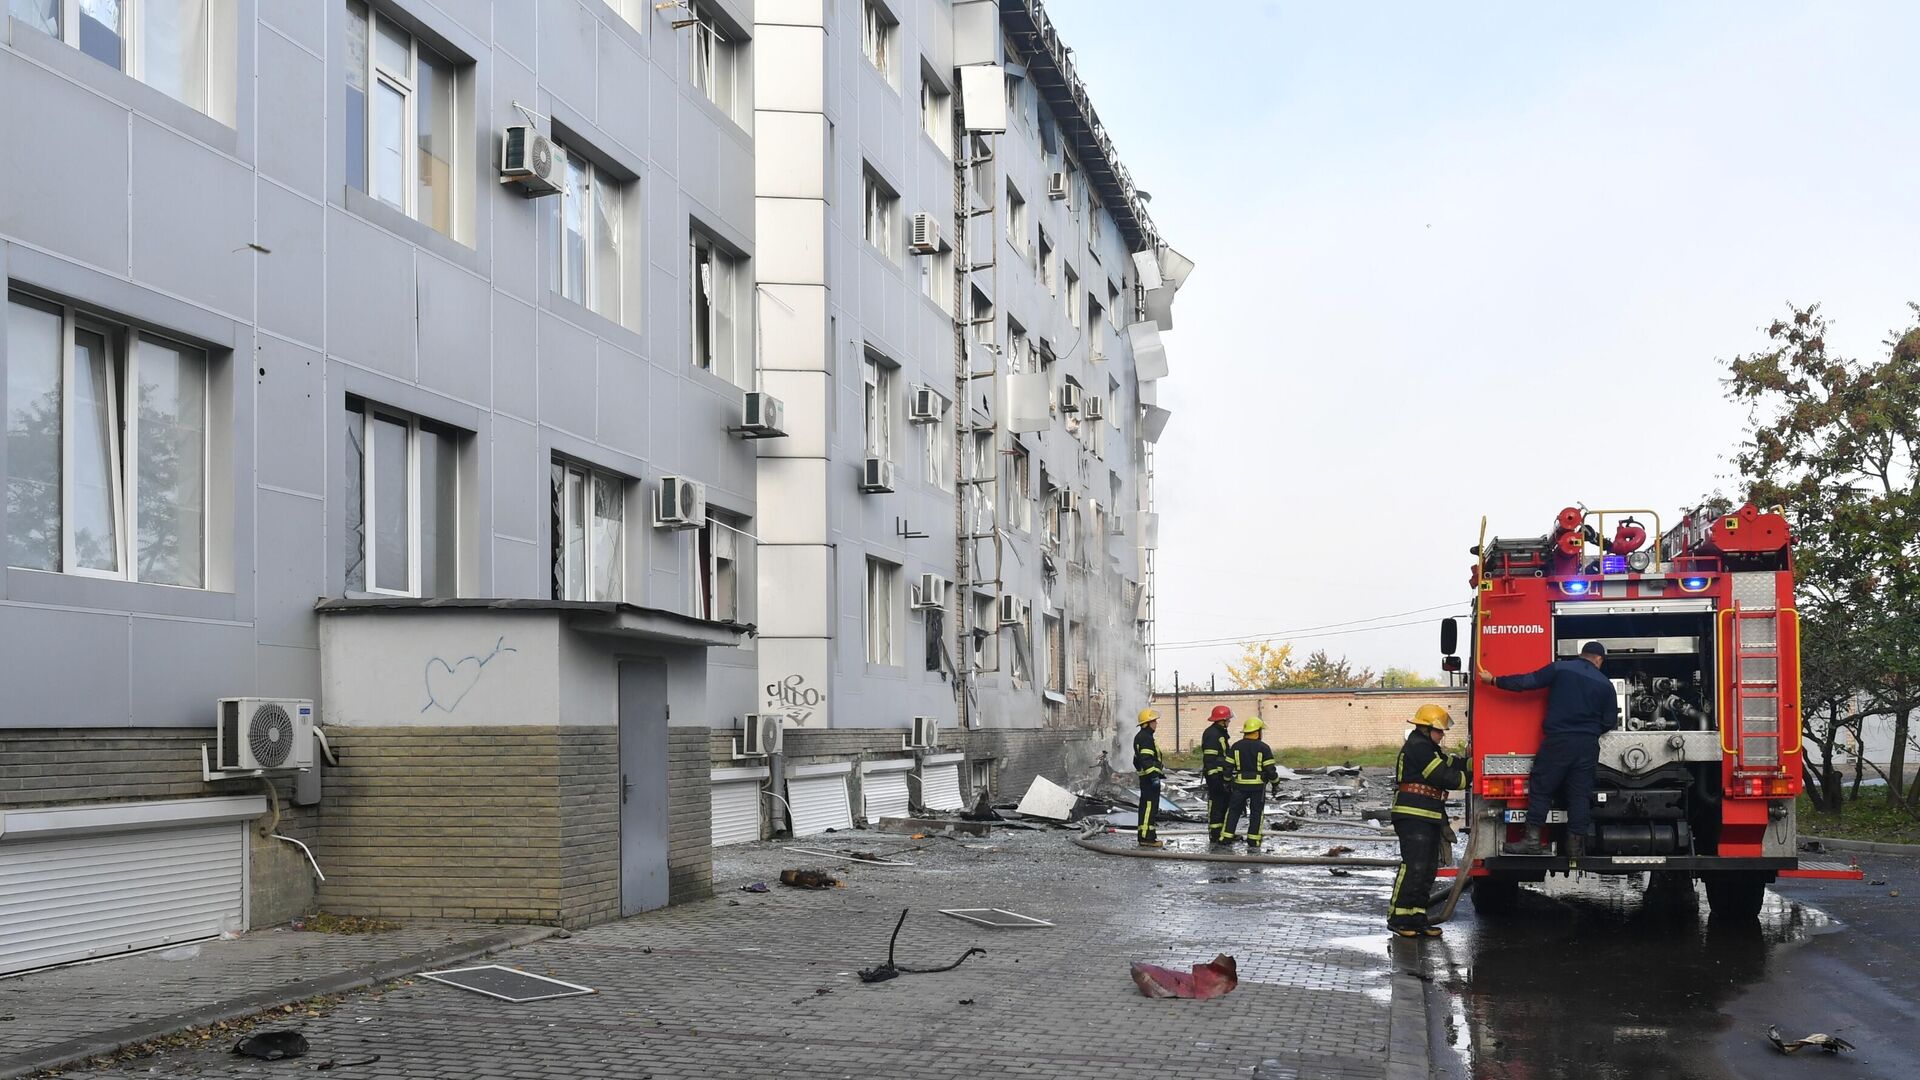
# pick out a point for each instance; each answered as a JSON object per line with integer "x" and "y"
{"x": 1593, "y": 979}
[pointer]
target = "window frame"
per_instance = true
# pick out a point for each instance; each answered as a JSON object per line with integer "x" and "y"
{"x": 122, "y": 343}
{"x": 876, "y": 400}
{"x": 1070, "y": 295}
{"x": 940, "y": 444}
{"x": 882, "y": 575}
{"x": 133, "y": 44}
{"x": 707, "y": 554}
{"x": 880, "y": 213}
{"x": 372, "y": 412}
{"x": 590, "y": 478}
{"x": 936, "y": 112}
{"x": 621, "y": 194}
{"x": 879, "y": 33}
{"x": 723, "y": 51}
{"x": 1020, "y": 488}
{"x": 1018, "y": 228}
{"x": 724, "y": 299}
{"x": 407, "y": 84}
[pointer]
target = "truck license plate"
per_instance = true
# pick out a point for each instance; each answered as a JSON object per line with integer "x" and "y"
{"x": 1519, "y": 817}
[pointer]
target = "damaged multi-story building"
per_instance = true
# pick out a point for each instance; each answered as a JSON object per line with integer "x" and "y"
{"x": 492, "y": 453}
{"x": 961, "y": 295}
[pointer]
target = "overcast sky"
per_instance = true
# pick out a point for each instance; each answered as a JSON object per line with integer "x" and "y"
{"x": 1472, "y": 259}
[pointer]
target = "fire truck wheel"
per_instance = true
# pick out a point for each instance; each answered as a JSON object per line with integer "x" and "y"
{"x": 1735, "y": 897}
{"x": 1494, "y": 896}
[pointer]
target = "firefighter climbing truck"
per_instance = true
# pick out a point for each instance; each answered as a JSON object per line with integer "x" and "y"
{"x": 1700, "y": 778}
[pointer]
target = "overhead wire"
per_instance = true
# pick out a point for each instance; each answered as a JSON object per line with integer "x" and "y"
{"x": 1304, "y": 631}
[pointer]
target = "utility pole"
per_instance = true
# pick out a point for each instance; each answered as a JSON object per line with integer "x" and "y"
{"x": 1176, "y": 710}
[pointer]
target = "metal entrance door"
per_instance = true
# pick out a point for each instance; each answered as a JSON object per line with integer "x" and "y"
{"x": 643, "y": 786}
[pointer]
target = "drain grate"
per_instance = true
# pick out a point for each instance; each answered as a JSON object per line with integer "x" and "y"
{"x": 506, "y": 983}
{"x": 998, "y": 918}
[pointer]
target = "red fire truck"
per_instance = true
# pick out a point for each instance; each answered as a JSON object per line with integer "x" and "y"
{"x": 1699, "y": 780}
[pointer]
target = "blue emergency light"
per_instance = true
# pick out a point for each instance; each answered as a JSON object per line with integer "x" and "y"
{"x": 1575, "y": 588}
{"x": 1613, "y": 564}
{"x": 1693, "y": 584}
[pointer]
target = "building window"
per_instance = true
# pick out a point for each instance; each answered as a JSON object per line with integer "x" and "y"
{"x": 936, "y": 279}
{"x": 634, "y": 11}
{"x": 1071, "y": 297}
{"x": 877, "y": 406}
{"x": 403, "y": 119}
{"x": 1095, "y": 314}
{"x": 589, "y": 533}
{"x": 882, "y": 206}
{"x": 402, "y": 504}
{"x": 883, "y": 580}
{"x": 936, "y": 112}
{"x": 1113, "y": 305}
{"x": 940, "y": 445}
{"x": 715, "y": 62}
{"x": 1093, "y": 226}
{"x": 986, "y": 633}
{"x": 1019, "y": 489}
{"x": 106, "y": 449}
{"x": 181, "y": 48}
{"x": 594, "y": 251}
{"x": 1017, "y": 220}
{"x": 718, "y": 575}
{"x": 1049, "y": 265}
{"x": 1018, "y": 347}
{"x": 983, "y": 328}
{"x": 877, "y": 29}
{"x": 717, "y": 281}
{"x": 1056, "y": 656}
{"x": 982, "y": 476}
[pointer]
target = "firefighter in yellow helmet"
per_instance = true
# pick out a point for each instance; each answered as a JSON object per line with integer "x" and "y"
{"x": 1422, "y": 777}
{"x": 1146, "y": 764}
{"x": 1250, "y": 768}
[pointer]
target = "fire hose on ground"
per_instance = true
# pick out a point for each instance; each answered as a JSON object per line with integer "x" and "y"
{"x": 1085, "y": 840}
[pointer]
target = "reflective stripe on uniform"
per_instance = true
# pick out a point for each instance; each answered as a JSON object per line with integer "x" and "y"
{"x": 1418, "y": 812}
{"x": 1432, "y": 765}
{"x": 1255, "y": 782}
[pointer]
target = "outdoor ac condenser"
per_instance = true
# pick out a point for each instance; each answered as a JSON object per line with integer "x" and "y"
{"x": 263, "y": 734}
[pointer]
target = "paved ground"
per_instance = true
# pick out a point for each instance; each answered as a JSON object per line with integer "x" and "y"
{"x": 763, "y": 985}
{"x": 1590, "y": 981}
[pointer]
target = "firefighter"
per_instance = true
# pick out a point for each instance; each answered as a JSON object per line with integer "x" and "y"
{"x": 1581, "y": 707}
{"x": 1146, "y": 763}
{"x": 1422, "y": 776}
{"x": 1215, "y": 745}
{"x": 1250, "y": 766}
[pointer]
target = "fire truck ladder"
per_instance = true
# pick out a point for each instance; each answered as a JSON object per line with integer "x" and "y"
{"x": 1750, "y": 718}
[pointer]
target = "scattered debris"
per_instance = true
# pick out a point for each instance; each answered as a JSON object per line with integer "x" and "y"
{"x": 1339, "y": 849}
{"x": 1879, "y": 881}
{"x": 758, "y": 886}
{"x": 890, "y": 970}
{"x": 332, "y": 1063}
{"x": 869, "y": 857}
{"x": 981, "y": 811}
{"x": 809, "y": 879}
{"x": 326, "y": 922}
{"x": 998, "y": 918}
{"x": 818, "y": 991}
{"x": 1338, "y": 871}
{"x": 272, "y": 1045}
{"x": 1210, "y": 980}
{"x": 1046, "y": 799}
{"x": 966, "y": 1001}
{"x": 1832, "y": 1044}
{"x": 505, "y": 983}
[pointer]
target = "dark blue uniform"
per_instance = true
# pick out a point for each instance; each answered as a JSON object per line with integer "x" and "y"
{"x": 1250, "y": 767}
{"x": 1581, "y": 707}
{"x": 1146, "y": 764}
{"x": 1215, "y": 745}
{"x": 1422, "y": 775}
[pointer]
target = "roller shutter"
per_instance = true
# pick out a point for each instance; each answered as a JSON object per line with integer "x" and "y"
{"x": 819, "y": 800}
{"x": 736, "y": 805}
{"x": 883, "y": 790}
{"x": 940, "y": 782}
{"x": 83, "y": 897}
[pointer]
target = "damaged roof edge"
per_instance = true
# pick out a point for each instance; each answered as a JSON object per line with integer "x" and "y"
{"x": 1052, "y": 71}
{"x": 603, "y": 616}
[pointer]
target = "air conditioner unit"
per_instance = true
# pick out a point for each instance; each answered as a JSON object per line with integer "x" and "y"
{"x": 923, "y": 235}
{"x": 679, "y": 503}
{"x": 527, "y": 159}
{"x": 925, "y": 406}
{"x": 931, "y": 594}
{"x": 1009, "y": 611}
{"x": 761, "y": 734}
{"x": 1069, "y": 500}
{"x": 926, "y": 733}
{"x": 876, "y": 475}
{"x": 1070, "y": 397}
{"x": 257, "y": 734}
{"x": 763, "y": 417}
{"x": 1057, "y": 187}
{"x": 1094, "y": 409}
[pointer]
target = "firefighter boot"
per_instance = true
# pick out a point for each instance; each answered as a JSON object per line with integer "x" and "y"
{"x": 1576, "y": 844}
{"x": 1529, "y": 846}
